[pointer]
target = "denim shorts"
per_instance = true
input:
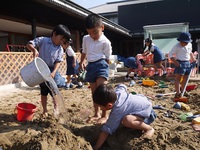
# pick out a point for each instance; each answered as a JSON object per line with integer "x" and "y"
{"x": 151, "y": 118}
{"x": 97, "y": 69}
{"x": 130, "y": 62}
{"x": 183, "y": 69}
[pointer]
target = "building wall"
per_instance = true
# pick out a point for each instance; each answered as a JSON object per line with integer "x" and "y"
{"x": 161, "y": 12}
{"x": 134, "y": 17}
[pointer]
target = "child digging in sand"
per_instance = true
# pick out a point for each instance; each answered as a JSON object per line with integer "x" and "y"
{"x": 133, "y": 111}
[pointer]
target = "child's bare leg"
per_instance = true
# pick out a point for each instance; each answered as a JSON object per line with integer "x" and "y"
{"x": 68, "y": 80}
{"x": 104, "y": 115}
{"x": 44, "y": 104}
{"x": 96, "y": 115}
{"x": 185, "y": 77}
{"x": 177, "y": 83}
{"x": 162, "y": 67}
{"x": 156, "y": 68}
{"x": 135, "y": 122}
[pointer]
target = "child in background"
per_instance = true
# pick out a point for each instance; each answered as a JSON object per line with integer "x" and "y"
{"x": 97, "y": 48}
{"x": 158, "y": 56}
{"x": 133, "y": 64}
{"x": 133, "y": 111}
{"x": 72, "y": 66}
{"x": 181, "y": 55}
{"x": 51, "y": 51}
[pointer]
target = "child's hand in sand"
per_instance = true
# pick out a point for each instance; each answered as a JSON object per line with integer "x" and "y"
{"x": 93, "y": 119}
{"x": 148, "y": 134}
{"x": 102, "y": 120}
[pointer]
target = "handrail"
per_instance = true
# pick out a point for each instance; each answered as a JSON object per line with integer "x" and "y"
{"x": 9, "y": 48}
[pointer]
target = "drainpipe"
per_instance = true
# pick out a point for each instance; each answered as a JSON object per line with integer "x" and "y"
{"x": 33, "y": 27}
{"x": 198, "y": 50}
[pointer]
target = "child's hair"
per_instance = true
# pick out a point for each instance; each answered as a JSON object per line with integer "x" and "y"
{"x": 104, "y": 94}
{"x": 92, "y": 21}
{"x": 148, "y": 40}
{"x": 62, "y": 30}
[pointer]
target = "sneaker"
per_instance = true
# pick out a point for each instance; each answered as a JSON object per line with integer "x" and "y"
{"x": 74, "y": 82}
{"x": 127, "y": 78}
{"x": 79, "y": 86}
{"x": 66, "y": 87}
{"x": 71, "y": 85}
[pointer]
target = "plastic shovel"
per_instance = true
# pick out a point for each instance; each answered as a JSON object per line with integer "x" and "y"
{"x": 161, "y": 95}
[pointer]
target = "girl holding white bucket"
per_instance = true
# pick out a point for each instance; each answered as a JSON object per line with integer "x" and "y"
{"x": 51, "y": 51}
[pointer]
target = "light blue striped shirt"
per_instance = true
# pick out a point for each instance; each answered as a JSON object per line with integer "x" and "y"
{"x": 48, "y": 51}
{"x": 126, "y": 104}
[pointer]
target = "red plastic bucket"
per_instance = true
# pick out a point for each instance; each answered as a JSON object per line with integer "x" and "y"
{"x": 25, "y": 111}
{"x": 190, "y": 87}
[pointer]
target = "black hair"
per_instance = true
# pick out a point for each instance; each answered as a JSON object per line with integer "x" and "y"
{"x": 148, "y": 40}
{"x": 62, "y": 30}
{"x": 104, "y": 94}
{"x": 92, "y": 21}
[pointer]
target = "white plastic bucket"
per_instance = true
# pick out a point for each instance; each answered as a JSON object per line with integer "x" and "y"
{"x": 35, "y": 72}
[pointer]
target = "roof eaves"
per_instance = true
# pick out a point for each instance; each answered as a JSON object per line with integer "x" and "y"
{"x": 70, "y": 6}
{"x": 67, "y": 6}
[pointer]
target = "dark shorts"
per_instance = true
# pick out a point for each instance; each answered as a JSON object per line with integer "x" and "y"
{"x": 97, "y": 69}
{"x": 151, "y": 118}
{"x": 44, "y": 90}
{"x": 157, "y": 59}
{"x": 130, "y": 62}
{"x": 183, "y": 69}
{"x": 72, "y": 70}
{"x": 59, "y": 81}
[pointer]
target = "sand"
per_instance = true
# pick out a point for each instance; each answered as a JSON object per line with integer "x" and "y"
{"x": 51, "y": 133}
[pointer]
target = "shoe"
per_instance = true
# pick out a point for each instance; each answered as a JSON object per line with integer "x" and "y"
{"x": 71, "y": 85}
{"x": 74, "y": 82}
{"x": 79, "y": 86}
{"x": 127, "y": 78}
{"x": 66, "y": 87}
